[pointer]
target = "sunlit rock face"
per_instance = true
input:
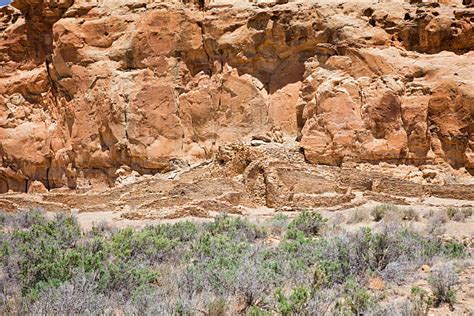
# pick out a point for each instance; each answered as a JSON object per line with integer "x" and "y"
{"x": 87, "y": 87}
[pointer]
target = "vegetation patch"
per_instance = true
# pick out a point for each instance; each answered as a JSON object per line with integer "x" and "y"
{"x": 224, "y": 266}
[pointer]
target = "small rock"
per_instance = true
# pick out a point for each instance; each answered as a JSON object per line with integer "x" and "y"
{"x": 256, "y": 143}
{"x": 263, "y": 138}
{"x": 278, "y": 137}
{"x": 447, "y": 238}
{"x": 122, "y": 171}
{"x": 286, "y": 209}
{"x": 429, "y": 173}
{"x": 37, "y": 187}
{"x": 425, "y": 268}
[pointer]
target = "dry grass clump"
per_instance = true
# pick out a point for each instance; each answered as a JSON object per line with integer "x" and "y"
{"x": 440, "y": 215}
{"x": 392, "y": 213}
{"x": 278, "y": 223}
{"x": 442, "y": 280}
{"x": 436, "y": 221}
{"x": 359, "y": 215}
{"x": 410, "y": 214}
{"x": 383, "y": 210}
{"x": 458, "y": 214}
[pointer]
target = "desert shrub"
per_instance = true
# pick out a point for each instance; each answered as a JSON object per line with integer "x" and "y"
{"x": 435, "y": 224}
{"x": 293, "y": 260}
{"x": 79, "y": 296}
{"x": 355, "y": 299}
{"x": 129, "y": 244}
{"x": 258, "y": 311}
{"x": 458, "y": 214}
{"x": 295, "y": 303}
{"x": 153, "y": 243}
{"x": 451, "y": 211}
{"x": 359, "y": 215}
{"x": 392, "y": 307}
{"x": 125, "y": 277}
{"x": 384, "y": 247}
{"x": 186, "y": 268}
{"x": 459, "y": 217}
{"x": 210, "y": 246}
{"x": 217, "y": 307}
{"x": 235, "y": 227}
{"x": 182, "y": 231}
{"x": 256, "y": 275}
{"x": 397, "y": 271}
{"x": 148, "y": 301}
{"x": 304, "y": 300}
{"x": 334, "y": 258}
{"x": 441, "y": 215}
{"x": 225, "y": 266}
{"x": 442, "y": 280}
{"x": 354, "y": 254}
{"x": 421, "y": 301}
{"x": 3, "y": 219}
{"x": 467, "y": 212}
{"x": 279, "y": 223}
{"x": 380, "y": 211}
{"x": 410, "y": 215}
{"x": 46, "y": 253}
{"x": 322, "y": 301}
{"x": 23, "y": 219}
{"x": 101, "y": 230}
{"x": 50, "y": 252}
{"x": 280, "y": 217}
{"x": 336, "y": 223}
{"x": 347, "y": 254}
{"x": 307, "y": 223}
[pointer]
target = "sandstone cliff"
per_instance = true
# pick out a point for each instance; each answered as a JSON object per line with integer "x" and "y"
{"x": 87, "y": 87}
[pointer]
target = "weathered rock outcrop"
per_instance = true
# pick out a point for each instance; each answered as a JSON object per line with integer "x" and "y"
{"x": 86, "y": 88}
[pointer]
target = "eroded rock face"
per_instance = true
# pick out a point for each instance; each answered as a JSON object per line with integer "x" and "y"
{"x": 88, "y": 88}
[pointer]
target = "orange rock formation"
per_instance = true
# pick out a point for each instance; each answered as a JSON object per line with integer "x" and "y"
{"x": 88, "y": 88}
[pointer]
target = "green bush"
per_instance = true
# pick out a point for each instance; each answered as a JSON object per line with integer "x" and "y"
{"x": 48, "y": 254}
{"x": 356, "y": 299}
{"x": 217, "y": 260}
{"x": 334, "y": 259}
{"x": 257, "y": 311}
{"x": 307, "y": 223}
{"x": 295, "y": 303}
{"x": 129, "y": 244}
{"x": 467, "y": 212}
{"x": 454, "y": 249}
{"x": 235, "y": 227}
{"x": 458, "y": 214}
{"x": 421, "y": 301}
{"x": 380, "y": 211}
{"x": 451, "y": 211}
